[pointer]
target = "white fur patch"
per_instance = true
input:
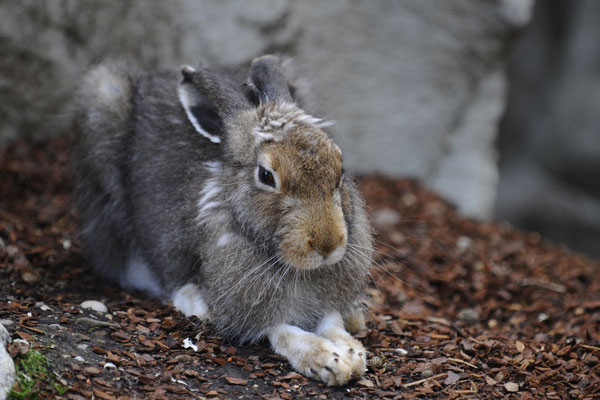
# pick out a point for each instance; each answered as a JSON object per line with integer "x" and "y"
{"x": 225, "y": 239}
{"x": 189, "y": 301}
{"x": 185, "y": 100}
{"x": 278, "y": 118}
{"x": 301, "y": 342}
{"x": 211, "y": 189}
{"x": 139, "y": 276}
{"x": 335, "y": 256}
{"x": 330, "y": 322}
{"x": 312, "y": 260}
{"x": 108, "y": 84}
{"x": 261, "y": 136}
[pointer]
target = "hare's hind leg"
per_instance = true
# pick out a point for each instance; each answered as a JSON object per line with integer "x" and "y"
{"x": 138, "y": 275}
{"x": 188, "y": 299}
{"x": 331, "y": 354}
{"x": 355, "y": 322}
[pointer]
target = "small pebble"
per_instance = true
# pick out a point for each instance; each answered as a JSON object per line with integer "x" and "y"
{"x": 109, "y": 365}
{"x": 401, "y": 351}
{"x": 469, "y": 316}
{"x": 66, "y": 243}
{"x": 184, "y": 358}
{"x": 409, "y": 199}
{"x": 29, "y": 277}
{"x": 12, "y": 250}
{"x": 427, "y": 374}
{"x": 42, "y": 306}
{"x": 92, "y": 370}
{"x": 83, "y": 346}
{"x": 463, "y": 243}
{"x": 94, "y": 305}
{"x": 79, "y": 359}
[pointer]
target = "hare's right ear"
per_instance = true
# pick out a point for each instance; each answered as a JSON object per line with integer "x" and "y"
{"x": 208, "y": 101}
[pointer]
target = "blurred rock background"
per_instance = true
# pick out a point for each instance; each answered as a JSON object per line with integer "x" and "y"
{"x": 417, "y": 87}
{"x": 550, "y": 137}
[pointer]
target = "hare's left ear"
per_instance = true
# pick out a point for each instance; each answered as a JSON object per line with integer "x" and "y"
{"x": 208, "y": 100}
{"x": 269, "y": 79}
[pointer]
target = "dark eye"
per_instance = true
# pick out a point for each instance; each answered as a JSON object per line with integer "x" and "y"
{"x": 265, "y": 176}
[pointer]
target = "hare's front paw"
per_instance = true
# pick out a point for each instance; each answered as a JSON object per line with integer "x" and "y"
{"x": 353, "y": 353}
{"x": 326, "y": 362}
{"x": 318, "y": 357}
{"x": 331, "y": 328}
{"x": 188, "y": 299}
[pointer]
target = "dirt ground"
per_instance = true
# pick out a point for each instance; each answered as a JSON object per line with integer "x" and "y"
{"x": 459, "y": 309}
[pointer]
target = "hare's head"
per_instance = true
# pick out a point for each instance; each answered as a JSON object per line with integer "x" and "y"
{"x": 283, "y": 172}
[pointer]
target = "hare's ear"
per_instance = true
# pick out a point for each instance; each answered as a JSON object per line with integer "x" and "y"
{"x": 269, "y": 80}
{"x": 208, "y": 101}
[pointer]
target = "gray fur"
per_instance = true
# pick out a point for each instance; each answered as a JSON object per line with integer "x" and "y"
{"x": 142, "y": 171}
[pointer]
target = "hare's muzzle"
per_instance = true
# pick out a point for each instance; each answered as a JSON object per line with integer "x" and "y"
{"x": 315, "y": 236}
{"x": 331, "y": 246}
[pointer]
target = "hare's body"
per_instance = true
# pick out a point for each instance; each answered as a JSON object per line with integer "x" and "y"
{"x": 226, "y": 199}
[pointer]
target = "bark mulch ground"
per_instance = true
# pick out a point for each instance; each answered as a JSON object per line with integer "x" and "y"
{"x": 459, "y": 309}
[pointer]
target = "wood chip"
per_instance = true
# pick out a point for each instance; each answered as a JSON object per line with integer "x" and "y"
{"x": 511, "y": 387}
{"x": 451, "y": 379}
{"x": 366, "y": 382}
{"x": 236, "y": 381}
{"x": 92, "y": 370}
{"x": 120, "y": 336}
{"x": 103, "y": 395}
{"x": 490, "y": 381}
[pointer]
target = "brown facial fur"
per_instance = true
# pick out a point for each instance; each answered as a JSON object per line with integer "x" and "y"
{"x": 309, "y": 166}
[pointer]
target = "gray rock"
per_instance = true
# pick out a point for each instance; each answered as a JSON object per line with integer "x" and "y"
{"x": 416, "y": 87}
{"x": 7, "y": 367}
{"x": 7, "y": 322}
{"x": 549, "y": 141}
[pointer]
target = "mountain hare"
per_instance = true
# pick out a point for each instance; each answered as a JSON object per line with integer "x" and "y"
{"x": 213, "y": 189}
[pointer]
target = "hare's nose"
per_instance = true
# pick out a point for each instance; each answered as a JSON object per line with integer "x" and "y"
{"x": 327, "y": 245}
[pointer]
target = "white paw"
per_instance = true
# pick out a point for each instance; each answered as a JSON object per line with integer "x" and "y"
{"x": 326, "y": 362}
{"x": 189, "y": 301}
{"x": 353, "y": 353}
{"x": 330, "y": 354}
